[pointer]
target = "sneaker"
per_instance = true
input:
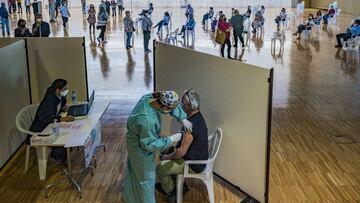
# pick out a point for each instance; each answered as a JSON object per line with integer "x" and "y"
{"x": 338, "y": 46}
{"x": 254, "y": 31}
{"x": 147, "y": 51}
{"x": 130, "y": 46}
{"x": 235, "y": 45}
{"x": 229, "y": 57}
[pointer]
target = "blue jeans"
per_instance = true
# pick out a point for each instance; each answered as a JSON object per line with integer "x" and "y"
{"x": 65, "y": 20}
{"x": 128, "y": 39}
{"x": 5, "y": 23}
{"x": 52, "y": 11}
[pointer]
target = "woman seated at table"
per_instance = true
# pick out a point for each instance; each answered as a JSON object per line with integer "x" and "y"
{"x": 49, "y": 110}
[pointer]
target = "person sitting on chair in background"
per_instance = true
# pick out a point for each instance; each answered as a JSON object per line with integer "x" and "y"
{"x": 189, "y": 11}
{"x": 306, "y": 26}
{"x": 353, "y": 31}
{"x": 281, "y": 17}
{"x": 192, "y": 146}
{"x": 237, "y": 22}
{"x": 40, "y": 28}
{"x": 330, "y": 13}
{"x": 208, "y": 15}
{"x": 258, "y": 21}
{"x": 189, "y": 25}
{"x": 164, "y": 21}
{"x": 22, "y": 30}
{"x": 248, "y": 12}
{"x": 49, "y": 110}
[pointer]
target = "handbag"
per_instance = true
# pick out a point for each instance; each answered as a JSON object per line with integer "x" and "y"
{"x": 220, "y": 36}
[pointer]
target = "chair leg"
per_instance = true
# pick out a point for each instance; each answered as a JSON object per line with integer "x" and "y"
{"x": 210, "y": 189}
{"x": 27, "y": 157}
{"x": 179, "y": 188}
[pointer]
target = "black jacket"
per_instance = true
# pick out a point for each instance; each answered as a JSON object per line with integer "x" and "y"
{"x": 18, "y": 33}
{"x": 44, "y": 30}
{"x": 46, "y": 113}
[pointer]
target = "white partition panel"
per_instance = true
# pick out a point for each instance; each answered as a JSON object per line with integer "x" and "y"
{"x": 235, "y": 97}
{"x": 14, "y": 96}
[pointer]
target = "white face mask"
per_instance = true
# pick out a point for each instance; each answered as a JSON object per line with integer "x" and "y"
{"x": 64, "y": 93}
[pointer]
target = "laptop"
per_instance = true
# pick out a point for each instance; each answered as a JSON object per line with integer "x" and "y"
{"x": 78, "y": 110}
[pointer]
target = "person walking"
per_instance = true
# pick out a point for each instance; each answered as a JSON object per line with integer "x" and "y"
{"x": 102, "y": 20}
{"x": 129, "y": 29}
{"x": 91, "y": 18}
{"x": 65, "y": 14}
{"x": 224, "y": 26}
{"x": 83, "y": 6}
{"x": 237, "y": 22}
{"x": 52, "y": 11}
{"x": 146, "y": 27}
{"x": 4, "y": 15}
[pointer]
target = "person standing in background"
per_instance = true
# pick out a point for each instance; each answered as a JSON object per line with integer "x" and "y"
{"x": 57, "y": 6}
{"x": 65, "y": 14}
{"x": 129, "y": 28}
{"x": 19, "y": 6}
{"x": 52, "y": 11}
{"x": 113, "y": 8}
{"x": 224, "y": 26}
{"x": 237, "y": 22}
{"x": 107, "y": 6}
{"x": 83, "y": 6}
{"x": 40, "y": 28}
{"x": 92, "y": 18}
{"x": 27, "y": 7}
{"x": 120, "y": 4}
{"x": 4, "y": 15}
{"x": 146, "y": 27}
{"x": 22, "y": 30}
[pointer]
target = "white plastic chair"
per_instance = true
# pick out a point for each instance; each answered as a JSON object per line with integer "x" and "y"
{"x": 278, "y": 36}
{"x": 351, "y": 47}
{"x": 285, "y": 23}
{"x": 23, "y": 122}
{"x": 172, "y": 36}
{"x": 190, "y": 33}
{"x": 207, "y": 175}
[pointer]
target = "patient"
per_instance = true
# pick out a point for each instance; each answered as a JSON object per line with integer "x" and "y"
{"x": 51, "y": 106}
{"x": 192, "y": 146}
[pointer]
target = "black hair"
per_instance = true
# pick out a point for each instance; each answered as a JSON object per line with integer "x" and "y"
{"x": 57, "y": 84}
{"x": 38, "y": 15}
{"x": 166, "y": 13}
{"x": 357, "y": 21}
{"x": 20, "y": 22}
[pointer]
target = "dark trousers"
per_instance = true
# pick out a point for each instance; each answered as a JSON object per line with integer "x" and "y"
{"x": 19, "y": 7}
{"x": 159, "y": 25}
{"x": 238, "y": 35}
{"x": 102, "y": 32}
{"x": 326, "y": 18}
{"x": 65, "y": 20}
{"x": 28, "y": 10}
{"x": 58, "y": 153}
{"x": 227, "y": 42}
{"x": 344, "y": 36}
{"x": 113, "y": 11}
{"x": 205, "y": 17}
{"x": 146, "y": 40}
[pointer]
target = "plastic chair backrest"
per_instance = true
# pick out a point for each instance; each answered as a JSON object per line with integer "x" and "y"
{"x": 214, "y": 146}
{"x": 25, "y": 118}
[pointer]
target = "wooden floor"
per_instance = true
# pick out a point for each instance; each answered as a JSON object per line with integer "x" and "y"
{"x": 315, "y": 150}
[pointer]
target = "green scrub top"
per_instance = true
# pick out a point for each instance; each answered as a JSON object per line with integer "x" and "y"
{"x": 143, "y": 140}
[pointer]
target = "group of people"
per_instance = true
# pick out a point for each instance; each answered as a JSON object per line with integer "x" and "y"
{"x": 143, "y": 139}
{"x": 39, "y": 28}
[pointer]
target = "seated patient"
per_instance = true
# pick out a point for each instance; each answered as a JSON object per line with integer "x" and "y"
{"x": 281, "y": 17}
{"x": 53, "y": 103}
{"x": 189, "y": 25}
{"x": 192, "y": 146}
{"x": 258, "y": 21}
{"x": 352, "y": 32}
{"x": 306, "y": 26}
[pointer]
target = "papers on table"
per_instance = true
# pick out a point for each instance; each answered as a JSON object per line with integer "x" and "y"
{"x": 76, "y": 140}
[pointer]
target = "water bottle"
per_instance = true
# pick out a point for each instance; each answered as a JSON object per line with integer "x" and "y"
{"x": 55, "y": 128}
{"x": 73, "y": 97}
